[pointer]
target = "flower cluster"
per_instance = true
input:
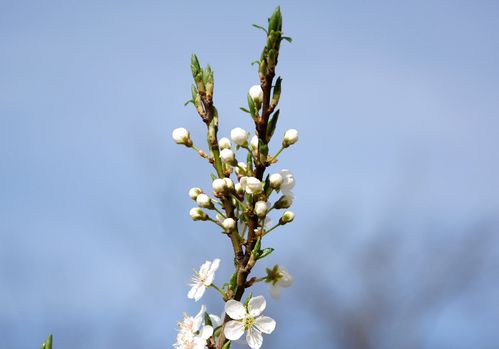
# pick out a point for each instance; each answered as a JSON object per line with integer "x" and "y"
{"x": 240, "y": 202}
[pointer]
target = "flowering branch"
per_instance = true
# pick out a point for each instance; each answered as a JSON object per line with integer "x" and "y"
{"x": 241, "y": 208}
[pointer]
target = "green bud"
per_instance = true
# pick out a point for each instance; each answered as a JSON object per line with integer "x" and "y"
{"x": 195, "y": 67}
{"x": 277, "y": 92}
{"x": 227, "y": 345}
{"x": 47, "y": 344}
{"x": 272, "y": 125}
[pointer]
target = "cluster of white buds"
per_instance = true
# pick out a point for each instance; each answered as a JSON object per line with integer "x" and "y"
{"x": 242, "y": 201}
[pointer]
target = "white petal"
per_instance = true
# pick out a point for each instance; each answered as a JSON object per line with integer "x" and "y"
{"x": 207, "y": 331}
{"x": 275, "y": 291}
{"x": 265, "y": 324}
{"x": 235, "y": 309}
{"x": 214, "y": 265}
{"x": 256, "y": 305}
{"x": 233, "y": 330}
{"x": 199, "y": 293}
{"x": 254, "y": 338}
{"x": 286, "y": 278}
{"x": 198, "y": 318}
{"x": 193, "y": 291}
{"x": 204, "y": 268}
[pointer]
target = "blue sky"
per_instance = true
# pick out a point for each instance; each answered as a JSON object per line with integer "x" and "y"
{"x": 396, "y": 104}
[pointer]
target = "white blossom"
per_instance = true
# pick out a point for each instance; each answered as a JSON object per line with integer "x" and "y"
{"x": 197, "y": 214}
{"x": 239, "y": 136}
{"x": 238, "y": 188}
{"x": 251, "y": 185}
{"x": 219, "y": 185}
{"x": 290, "y": 137}
{"x": 229, "y": 183}
{"x": 191, "y": 334}
{"x": 256, "y": 94}
{"x": 203, "y": 279}
{"x": 275, "y": 180}
{"x": 224, "y": 143}
{"x": 194, "y": 192}
{"x": 283, "y": 279}
{"x": 204, "y": 201}
{"x": 229, "y": 224}
{"x": 248, "y": 320}
{"x": 254, "y": 142}
{"x": 227, "y": 155}
{"x": 288, "y": 182}
{"x": 181, "y": 136}
{"x": 261, "y": 208}
{"x": 287, "y": 217}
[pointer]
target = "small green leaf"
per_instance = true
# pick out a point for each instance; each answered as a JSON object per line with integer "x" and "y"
{"x": 265, "y": 252}
{"x": 272, "y": 125}
{"x": 248, "y": 299}
{"x": 260, "y": 27}
{"x": 255, "y": 62}
{"x": 207, "y": 320}
{"x": 252, "y": 107}
{"x": 245, "y": 110}
{"x": 189, "y": 101}
{"x": 287, "y": 38}
{"x": 233, "y": 280}
{"x": 226, "y": 345}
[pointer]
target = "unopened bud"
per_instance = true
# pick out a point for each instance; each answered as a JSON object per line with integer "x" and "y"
{"x": 261, "y": 208}
{"x": 204, "y": 201}
{"x": 284, "y": 201}
{"x": 256, "y": 93}
{"x": 287, "y": 217}
{"x": 275, "y": 180}
{"x": 251, "y": 185}
{"x": 219, "y": 185}
{"x": 239, "y": 136}
{"x": 229, "y": 224}
{"x": 290, "y": 137}
{"x": 229, "y": 183}
{"x": 227, "y": 156}
{"x": 182, "y": 136}
{"x": 254, "y": 142}
{"x": 194, "y": 192}
{"x": 238, "y": 188}
{"x": 197, "y": 214}
{"x": 242, "y": 169}
{"x": 224, "y": 143}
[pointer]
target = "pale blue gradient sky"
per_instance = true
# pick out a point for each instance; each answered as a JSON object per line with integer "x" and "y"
{"x": 397, "y": 104}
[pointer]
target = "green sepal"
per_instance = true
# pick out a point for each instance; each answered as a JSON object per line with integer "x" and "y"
{"x": 189, "y": 101}
{"x": 266, "y": 187}
{"x": 245, "y": 110}
{"x": 217, "y": 331}
{"x": 287, "y": 38}
{"x": 272, "y": 125}
{"x": 226, "y": 345}
{"x": 252, "y": 106}
{"x": 256, "y": 249}
{"x": 263, "y": 149}
{"x": 207, "y": 320}
{"x": 255, "y": 62}
{"x": 47, "y": 344}
{"x": 265, "y": 252}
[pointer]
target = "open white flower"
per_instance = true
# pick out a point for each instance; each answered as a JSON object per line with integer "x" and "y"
{"x": 191, "y": 334}
{"x": 248, "y": 320}
{"x": 251, "y": 185}
{"x": 203, "y": 279}
{"x": 288, "y": 182}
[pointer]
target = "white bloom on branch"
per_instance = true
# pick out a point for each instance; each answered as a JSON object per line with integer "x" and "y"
{"x": 227, "y": 155}
{"x": 288, "y": 183}
{"x": 254, "y": 142}
{"x": 229, "y": 183}
{"x": 251, "y": 185}
{"x": 194, "y": 192}
{"x": 203, "y": 279}
{"x": 204, "y": 201}
{"x": 287, "y": 217}
{"x": 198, "y": 214}
{"x": 239, "y": 136}
{"x": 219, "y": 185}
{"x": 256, "y": 94}
{"x": 224, "y": 143}
{"x": 248, "y": 320}
{"x": 181, "y": 136}
{"x": 275, "y": 180}
{"x": 261, "y": 208}
{"x": 229, "y": 224}
{"x": 290, "y": 137}
{"x": 191, "y": 334}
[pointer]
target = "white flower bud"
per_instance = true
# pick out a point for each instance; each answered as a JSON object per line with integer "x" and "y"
{"x": 194, "y": 192}
{"x": 224, "y": 143}
{"x": 229, "y": 183}
{"x": 238, "y": 188}
{"x": 197, "y": 214}
{"x": 261, "y": 208}
{"x": 254, "y": 142}
{"x": 229, "y": 224}
{"x": 227, "y": 155}
{"x": 181, "y": 136}
{"x": 251, "y": 185}
{"x": 241, "y": 169}
{"x": 219, "y": 185}
{"x": 290, "y": 137}
{"x": 204, "y": 201}
{"x": 275, "y": 180}
{"x": 239, "y": 136}
{"x": 256, "y": 93}
{"x": 287, "y": 217}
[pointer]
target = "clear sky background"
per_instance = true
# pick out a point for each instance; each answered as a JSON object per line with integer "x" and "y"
{"x": 397, "y": 104}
